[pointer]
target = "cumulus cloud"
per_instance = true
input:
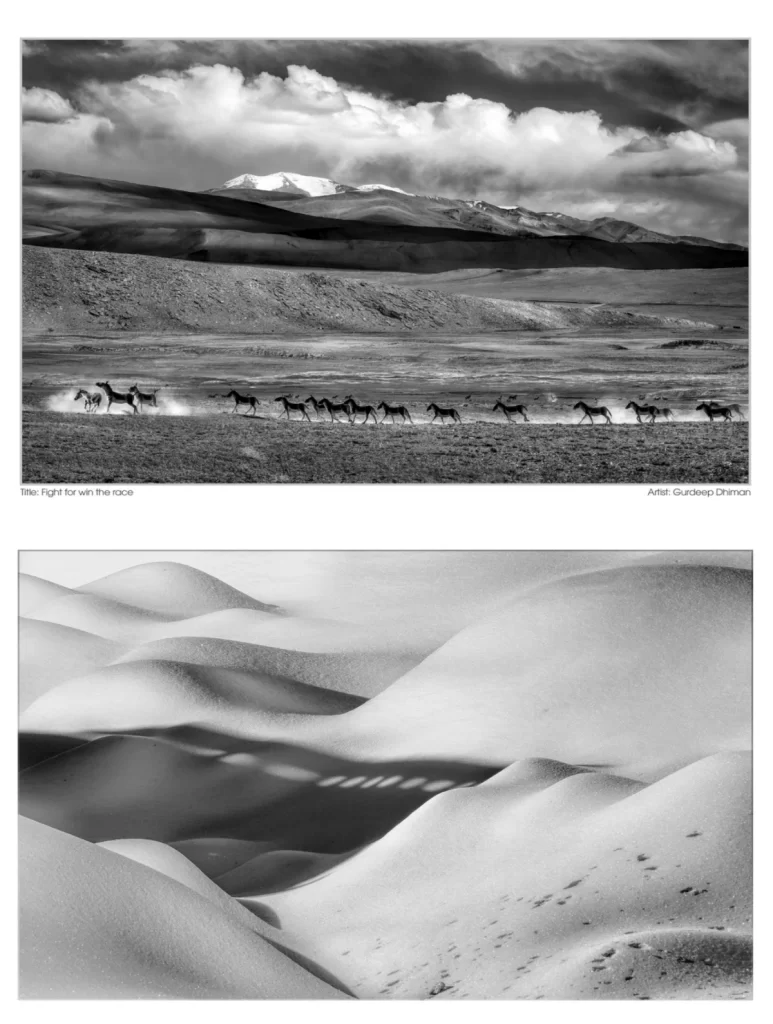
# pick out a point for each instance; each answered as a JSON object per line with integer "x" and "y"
{"x": 44, "y": 105}
{"x": 196, "y": 127}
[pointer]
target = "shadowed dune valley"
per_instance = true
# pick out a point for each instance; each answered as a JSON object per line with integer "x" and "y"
{"x": 508, "y": 775}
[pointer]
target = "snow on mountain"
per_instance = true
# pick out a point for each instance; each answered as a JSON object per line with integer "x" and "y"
{"x": 301, "y": 184}
{"x": 281, "y": 181}
{"x": 385, "y": 188}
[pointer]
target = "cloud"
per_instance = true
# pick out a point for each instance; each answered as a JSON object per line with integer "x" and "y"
{"x": 196, "y": 127}
{"x": 44, "y": 105}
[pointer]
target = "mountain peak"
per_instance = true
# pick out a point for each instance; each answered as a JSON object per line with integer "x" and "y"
{"x": 301, "y": 184}
{"x": 286, "y": 181}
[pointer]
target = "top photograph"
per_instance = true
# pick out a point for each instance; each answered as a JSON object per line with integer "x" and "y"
{"x": 385, "y": 261}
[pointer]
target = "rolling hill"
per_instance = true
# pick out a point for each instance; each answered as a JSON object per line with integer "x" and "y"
{"x": 381, "y": 231}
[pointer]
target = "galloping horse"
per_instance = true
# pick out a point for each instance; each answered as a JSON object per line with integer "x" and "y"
{"x": 114, "y": 396}
{"x": 711, "y": 409}
{"x": 315, "y": 404}
{"x": 512, "y": 410}
{"x": 250, "y": 400}
{"x": 395, "y": 410}
{"x": 143, "y": 399}
{"x": 91, "y": 399}
{"x": 442, "y": 413}
{"x": 667, "y": 414}
{"x": 591, "y": 411}
{"x": 643, "y": 410}
{"x": 733, "y": 408}
{"x": 355, "y": 408}
{"x": 289, "y": 406}
{"x": 335, "y": 407}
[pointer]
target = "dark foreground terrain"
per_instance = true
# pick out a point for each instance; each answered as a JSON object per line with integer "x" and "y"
{"x": 61, "y": 448}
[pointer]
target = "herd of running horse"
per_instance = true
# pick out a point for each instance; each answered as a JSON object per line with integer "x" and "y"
{"x": 351, "y": 408}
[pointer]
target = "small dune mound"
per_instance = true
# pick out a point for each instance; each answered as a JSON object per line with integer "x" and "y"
{"x": 35, "y": 592}
{"x": 363, "y": 674}
{"x": 153, "y": 694}
{"x": 107, "y": 927}
{"x": 50, "y": 654}
{"x": 215, "y": 857}
{"x": 276, "y": 870}
{"x": 171, "y": 589}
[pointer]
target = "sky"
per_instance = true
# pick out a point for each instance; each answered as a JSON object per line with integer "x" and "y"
{"x": 655, "y": 132}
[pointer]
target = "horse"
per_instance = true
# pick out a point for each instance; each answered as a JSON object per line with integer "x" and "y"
{"x": 591, "y": 411}
{"x": 647, "y": 410}
{"x": 512, "y": 410}
{"x": 355, "y": 409}
{"x": 144, "y": 399}
{"x": 395, "y": 410}
{"x": 315, "y": 404}
{"x": 289, "y": 407}
{"x": 442, "y": 413}
{"x": 114, "y": 396}
{"x": 250, "y": 400}
{"x": 335, "y": 407}
{"x": 667, "y": 414}
{"x": 91, "y": 399}
{"x": 712, "y": 409}
{"x": 733, "y": 408}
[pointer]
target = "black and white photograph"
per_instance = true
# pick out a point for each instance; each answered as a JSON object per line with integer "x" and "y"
{"x": 385, "y": 775}
{"x": 385, "y": 260}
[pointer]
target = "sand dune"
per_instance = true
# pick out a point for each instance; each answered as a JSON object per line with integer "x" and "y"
{"x": 172, "y": 589}
{"x": 641, "y": 668}
{"x": 34, "y": 592}
{"x": 354, "y": 672}
{"x": 50, "y": 654}
{"x": 586, "y": 886}
{"x": 553, "y": 804}
{"x": 154, "y": 694}
{"x": 112, "y": 620}
{"x": 108, "y": 927}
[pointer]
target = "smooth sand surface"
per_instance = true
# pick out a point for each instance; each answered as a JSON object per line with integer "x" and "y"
{"x": 585, "y": 886}
{"x": 552, "y": 803}
{"x": 109, "y": 927}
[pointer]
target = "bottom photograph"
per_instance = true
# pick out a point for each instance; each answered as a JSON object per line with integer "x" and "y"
{"x": 480, "y": 775}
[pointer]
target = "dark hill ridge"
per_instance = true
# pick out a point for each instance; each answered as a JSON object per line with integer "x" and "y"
{"x": 387, "y": 207}
{"x": 73, "y": 212}
{"x": 86, "y": 291}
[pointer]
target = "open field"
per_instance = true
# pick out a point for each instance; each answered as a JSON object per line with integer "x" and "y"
{"x": 672, "y": 339}
{"x": 239, "y": 449}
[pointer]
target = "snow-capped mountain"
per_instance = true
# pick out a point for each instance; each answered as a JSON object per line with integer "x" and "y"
{"x": 300, "y": 184}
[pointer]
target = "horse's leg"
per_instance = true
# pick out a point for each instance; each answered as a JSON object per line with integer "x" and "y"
{"x": 406, "y": 413}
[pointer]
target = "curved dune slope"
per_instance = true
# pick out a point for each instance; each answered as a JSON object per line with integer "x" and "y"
{"x": 145, "y": 694}
{"x": 585, "y": 886}
{"x": 103, "y": 616}
{"x": 50, "y": 654}
{"x": 642, "y": 667}
{"x": 362, "y": 674}
{"x": 34, "y": 592}
{"x": 98, "y": 925}
{"x": 312, "y": 635}
{"x": 171, "y": 589}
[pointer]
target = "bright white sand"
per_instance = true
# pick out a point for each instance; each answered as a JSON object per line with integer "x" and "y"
{"x": 273, "y": 827}
{"x": 96, "y": 925}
